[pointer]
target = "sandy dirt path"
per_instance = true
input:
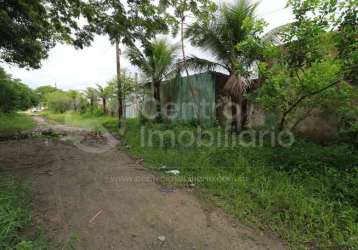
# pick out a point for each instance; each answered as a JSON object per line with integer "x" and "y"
{"x": 109, "y": 201}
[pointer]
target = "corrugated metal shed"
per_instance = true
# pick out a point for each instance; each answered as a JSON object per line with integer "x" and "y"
{"x": 187, "y": 99}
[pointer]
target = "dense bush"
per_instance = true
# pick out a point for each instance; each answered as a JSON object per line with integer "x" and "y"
{"x": 58, "y": 102}
{"x": 62, "y": 101}
{"x": 43, "y": 91}
{"x": 14, "y": 95}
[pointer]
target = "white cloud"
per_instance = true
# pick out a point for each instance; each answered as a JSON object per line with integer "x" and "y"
{"x": 69, "y": 68}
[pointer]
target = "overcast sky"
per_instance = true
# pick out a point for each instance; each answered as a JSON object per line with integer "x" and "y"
{"x": 69, "y": 68}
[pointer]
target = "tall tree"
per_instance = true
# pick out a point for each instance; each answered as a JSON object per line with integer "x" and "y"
{"x": 103, "y": 93}
{"x": 29, "y": 29}
{"x": 42, "y": 91}
{"x": 138, "y": 21}
{"x": 156, "y": 62}
{"x": 127, "y": 85}
{"x": 121, "y": 109}
{"x": 91, "y": 94}
{"x": 184, "y": 10}
{"x": 233, "y": 37}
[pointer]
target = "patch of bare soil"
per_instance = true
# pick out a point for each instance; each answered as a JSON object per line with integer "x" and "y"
{"x": 109, "y": 201}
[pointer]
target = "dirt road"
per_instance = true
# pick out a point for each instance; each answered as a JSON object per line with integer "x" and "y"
{"x": 108, "y": 201}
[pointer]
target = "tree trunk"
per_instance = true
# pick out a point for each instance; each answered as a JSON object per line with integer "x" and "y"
{"x": 197, "y": 103}
{"x": 157, "y": 99}
{"x": 119, "y": 85}
{"x": 104, "y": 102}
{"x": 244, "y": 114}
{"x": 92, "y": 102}
{"x": 235, "y": 113}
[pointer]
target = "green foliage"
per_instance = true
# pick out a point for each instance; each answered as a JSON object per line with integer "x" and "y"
{"x": 127, "y": 84}
{"x": 137, "y": 21}
{"x": 15, "y": 217}
{"x": 13, "y": 123}
{"x": 156, "y": 62}
{"x": 42, "y": 91}
{"x": 157, "y": 59}
{"x": 305, "y": 193}
{"x": 348, "y": 131}
{"x": 103, "y": 92}
{"x": 346, "y": 39}
{"x": 58, "y": 102}
{"x": 233, "y": 37}
{"x": 315, "y": 17}
{"x": 14, "y": 95}
{"x": 292, "y": 98}
{"x": 78, "y": 101}
{"x": 30, "y": 28}
{"x": 90, "y": 120}
{"x": 91, "y": 94}
{"x": 234, "y": 25}
{"x": 62, "y": 101}
{"x": 201, "y": 9}
{"x": 304, "y": 75}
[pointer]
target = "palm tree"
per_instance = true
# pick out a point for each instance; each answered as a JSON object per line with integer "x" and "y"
{"x": 91, "y": 94}
{"x": 156, "y": 62}
{"x": 75, "y": 96}
{"x": 220, "y": 36}
{"x": 103, "y": 93}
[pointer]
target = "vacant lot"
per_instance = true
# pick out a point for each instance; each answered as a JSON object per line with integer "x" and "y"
{"x": 110, "y": 201}
{"x": 306, "y": 193}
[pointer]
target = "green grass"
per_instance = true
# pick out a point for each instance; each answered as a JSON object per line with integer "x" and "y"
{"x": 14, "y": 123}
{"x": 306, "y": 193}
{"x": 86, "y": 120}
{"x": 15, "y": 218}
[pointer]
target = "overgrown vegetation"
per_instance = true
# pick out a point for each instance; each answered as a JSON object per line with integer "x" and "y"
{"x": 232, "y": 35}
{"x": 15, "y": 123}
{"x": 305, "y": 193}
{"x": 304, "y": 73}
{"x": 91, "y": 120}
{"x": 15, "y": 218}
{"x": 14, "y": 95}
{"x": 156, "y": 63}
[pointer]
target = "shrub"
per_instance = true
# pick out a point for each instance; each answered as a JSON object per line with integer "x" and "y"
{"x": 59, "y": 102}
{"x": 14, "y": 95}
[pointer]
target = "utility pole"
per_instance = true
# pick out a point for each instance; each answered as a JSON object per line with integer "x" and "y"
{"x": 119, "y": 85}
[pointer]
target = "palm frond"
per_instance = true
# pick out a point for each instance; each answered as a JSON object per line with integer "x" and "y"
{"x": 156, "y": 60}
{"x": 200, "y": 64}
{"x": 137, "y": 58}
{"x": 223, "y": 32}
{"x": 236, "y": 86}
{"x": 161, "y": 56}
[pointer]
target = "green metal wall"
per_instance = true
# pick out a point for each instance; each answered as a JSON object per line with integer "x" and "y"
{"x": 187, "y": 93}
